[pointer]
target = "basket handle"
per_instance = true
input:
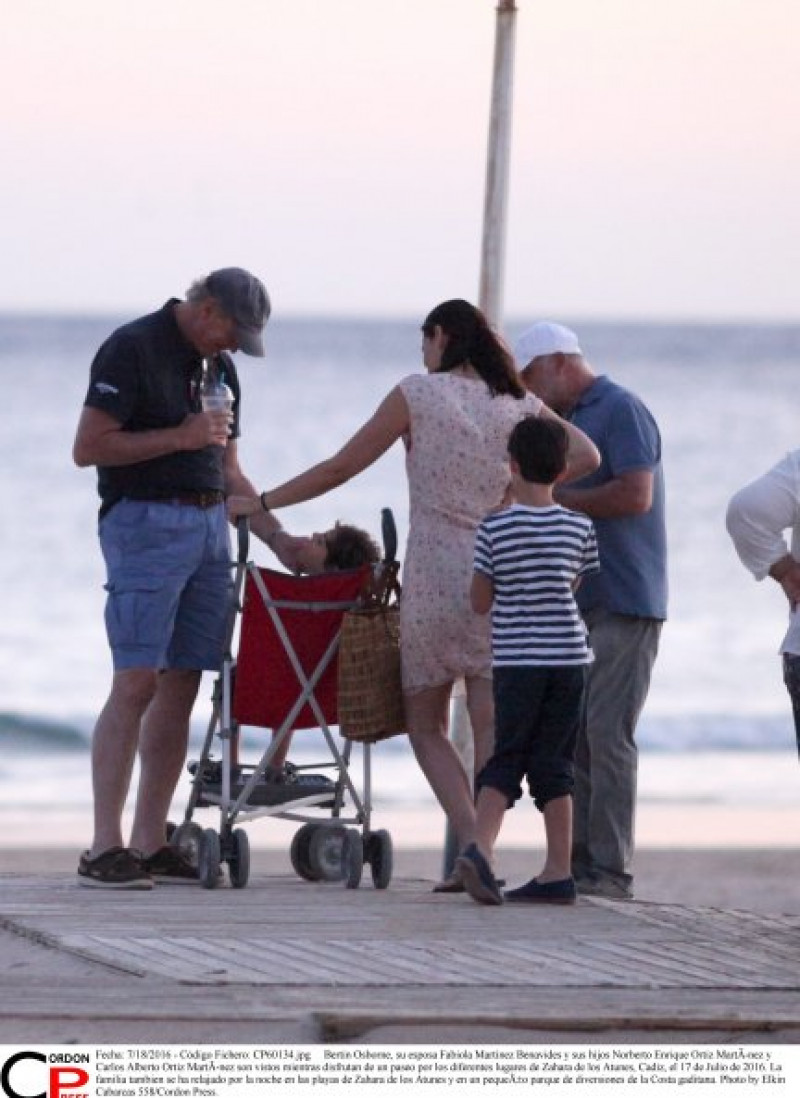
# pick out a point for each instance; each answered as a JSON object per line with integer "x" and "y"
{"x": 380, "y": 586}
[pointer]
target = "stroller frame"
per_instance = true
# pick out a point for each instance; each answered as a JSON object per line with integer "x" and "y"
{"x": 333, "y": 848}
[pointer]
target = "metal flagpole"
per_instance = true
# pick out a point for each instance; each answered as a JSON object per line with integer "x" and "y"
{"x": 495, "y": 205}
{"x": 493, "y": 246}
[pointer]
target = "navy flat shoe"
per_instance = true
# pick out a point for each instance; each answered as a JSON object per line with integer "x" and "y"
{"x": 548, "y": 892}
{"x": 477, "y": 876}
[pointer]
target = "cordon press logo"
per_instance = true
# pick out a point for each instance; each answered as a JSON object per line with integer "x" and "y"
{"x": 30, "y": 1074}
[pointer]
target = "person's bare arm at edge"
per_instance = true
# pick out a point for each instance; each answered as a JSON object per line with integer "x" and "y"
{"x": 101, "y": 440}
{"x": 583, "y": 457}
{"x": 389, "y": 423}
{"x": 786, "y": 572}
{"x": 628, "y": 494}
{"x": 481, "y": 593}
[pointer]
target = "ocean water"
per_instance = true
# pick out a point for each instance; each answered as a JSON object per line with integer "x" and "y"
{"x": 724, "y": 395}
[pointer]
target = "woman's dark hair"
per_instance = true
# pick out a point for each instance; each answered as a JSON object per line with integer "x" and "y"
{"x": 471, "y": 341}
{"x": 539, "y": 446}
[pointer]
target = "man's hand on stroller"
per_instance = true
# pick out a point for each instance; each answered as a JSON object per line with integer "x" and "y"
{"x": 243, "y": 507}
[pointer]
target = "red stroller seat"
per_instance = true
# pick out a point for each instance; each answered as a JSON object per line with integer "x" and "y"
{"x": 290, "y": 625}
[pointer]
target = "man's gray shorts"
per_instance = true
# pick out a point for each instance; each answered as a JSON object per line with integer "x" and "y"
{"x": 169, "y": 584}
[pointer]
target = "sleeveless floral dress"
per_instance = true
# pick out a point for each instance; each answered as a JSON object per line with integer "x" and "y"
{"x": 456, "y": 462}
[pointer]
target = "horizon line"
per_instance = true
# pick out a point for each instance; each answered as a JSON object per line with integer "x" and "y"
{"x": 347, "y": 315}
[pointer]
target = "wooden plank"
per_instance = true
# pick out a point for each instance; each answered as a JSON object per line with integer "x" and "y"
{"x": 659, "y": 963}
{"x": 351, "y": 1025}
{"x": 335, "y": 962}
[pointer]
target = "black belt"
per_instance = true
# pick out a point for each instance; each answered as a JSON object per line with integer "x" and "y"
{"x": 210, "y": 498}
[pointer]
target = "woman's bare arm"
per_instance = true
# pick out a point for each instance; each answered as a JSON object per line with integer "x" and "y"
{"x": 583, "y": 457}
{"x": 387, "y": 425}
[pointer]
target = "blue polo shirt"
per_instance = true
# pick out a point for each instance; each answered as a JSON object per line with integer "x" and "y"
{"x": 633, "y": 549}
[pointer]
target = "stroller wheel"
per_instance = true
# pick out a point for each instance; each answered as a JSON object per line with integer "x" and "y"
{"x": 325, "y": 852}
{"x": 186, "y": 838}
{"x": 352, "y": 858}
{"x": 209, "y": 857}
{"x": 239, "y": 860}
{"x": 300, "y": 852}
{"x": 379, "y": 854}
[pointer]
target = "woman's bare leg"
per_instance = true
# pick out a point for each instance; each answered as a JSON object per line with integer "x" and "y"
{"x": 480, "y": 705}
{"x": 491, "y": 808}
{"x": 427, "y": 713}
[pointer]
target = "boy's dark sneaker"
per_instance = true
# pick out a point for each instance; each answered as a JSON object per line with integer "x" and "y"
{"x": 476, "y": 873}
{"x": 546, "y": 892}
{"x": 117, "y": 867}
{"x": 170, "y": 866}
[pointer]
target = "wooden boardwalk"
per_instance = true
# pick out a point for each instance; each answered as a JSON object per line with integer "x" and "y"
{"x": 292, "y": 961}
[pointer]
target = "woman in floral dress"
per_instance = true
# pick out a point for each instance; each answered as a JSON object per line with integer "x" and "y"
{"x": 454, "y": 421}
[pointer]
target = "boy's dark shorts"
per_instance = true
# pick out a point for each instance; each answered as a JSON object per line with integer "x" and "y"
{"x": 538, "y": 713}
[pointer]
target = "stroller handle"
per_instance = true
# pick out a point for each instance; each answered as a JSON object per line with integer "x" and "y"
{"x": 243, "y": 538}
{"x": 389, "y": 535}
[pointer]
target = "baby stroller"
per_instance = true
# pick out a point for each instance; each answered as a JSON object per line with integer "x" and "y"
{"x": 285, "y": 678}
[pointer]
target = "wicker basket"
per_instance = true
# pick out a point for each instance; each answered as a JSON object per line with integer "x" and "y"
{"x": 370, "y": 689}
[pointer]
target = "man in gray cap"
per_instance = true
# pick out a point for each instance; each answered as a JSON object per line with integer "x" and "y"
{"x": 164, "y": 467}
{"x": 624, "y": 605}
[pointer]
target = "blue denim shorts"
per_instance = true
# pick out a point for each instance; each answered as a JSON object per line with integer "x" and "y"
{"x": 170, "y": 588}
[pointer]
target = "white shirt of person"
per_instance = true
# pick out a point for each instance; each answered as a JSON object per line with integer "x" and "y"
{"x": 758, "y": 518}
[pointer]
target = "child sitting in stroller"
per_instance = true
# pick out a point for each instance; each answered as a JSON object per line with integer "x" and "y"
{"x": 336, "y": 550}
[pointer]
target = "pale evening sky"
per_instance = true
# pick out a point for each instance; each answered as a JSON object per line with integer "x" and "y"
{"x": 337, "y": 148}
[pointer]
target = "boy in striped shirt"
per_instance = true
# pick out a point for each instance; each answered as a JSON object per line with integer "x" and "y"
{"x": 529, "y": 558}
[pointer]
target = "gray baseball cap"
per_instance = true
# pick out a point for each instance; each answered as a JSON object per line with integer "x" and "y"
{"x": 243, "y": 297}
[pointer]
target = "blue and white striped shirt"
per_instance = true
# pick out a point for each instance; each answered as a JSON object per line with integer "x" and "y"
{"x": 533, "y": 555}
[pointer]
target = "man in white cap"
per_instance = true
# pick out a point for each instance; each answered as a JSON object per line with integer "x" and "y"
{"x": 624, "y": 605}
{"x": 164, "y": 467}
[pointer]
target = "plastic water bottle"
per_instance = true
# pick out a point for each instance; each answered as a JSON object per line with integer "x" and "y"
{"x": 215, "y": 395}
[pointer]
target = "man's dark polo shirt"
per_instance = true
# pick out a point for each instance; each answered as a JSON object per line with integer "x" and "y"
{"x": 146, "y": 375}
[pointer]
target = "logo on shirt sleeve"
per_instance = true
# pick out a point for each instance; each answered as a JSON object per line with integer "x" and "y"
{"x": 104, "y": 388}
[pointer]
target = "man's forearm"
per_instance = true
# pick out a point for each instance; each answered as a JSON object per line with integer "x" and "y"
{"x": 130, "y": 447}
{"x": 786, "y": 572}
{"x": 101, "y": 440}
{"x": 614, "y": 499}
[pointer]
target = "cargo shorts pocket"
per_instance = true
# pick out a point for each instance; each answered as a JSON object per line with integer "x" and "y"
{"x": 138, "y": 613}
